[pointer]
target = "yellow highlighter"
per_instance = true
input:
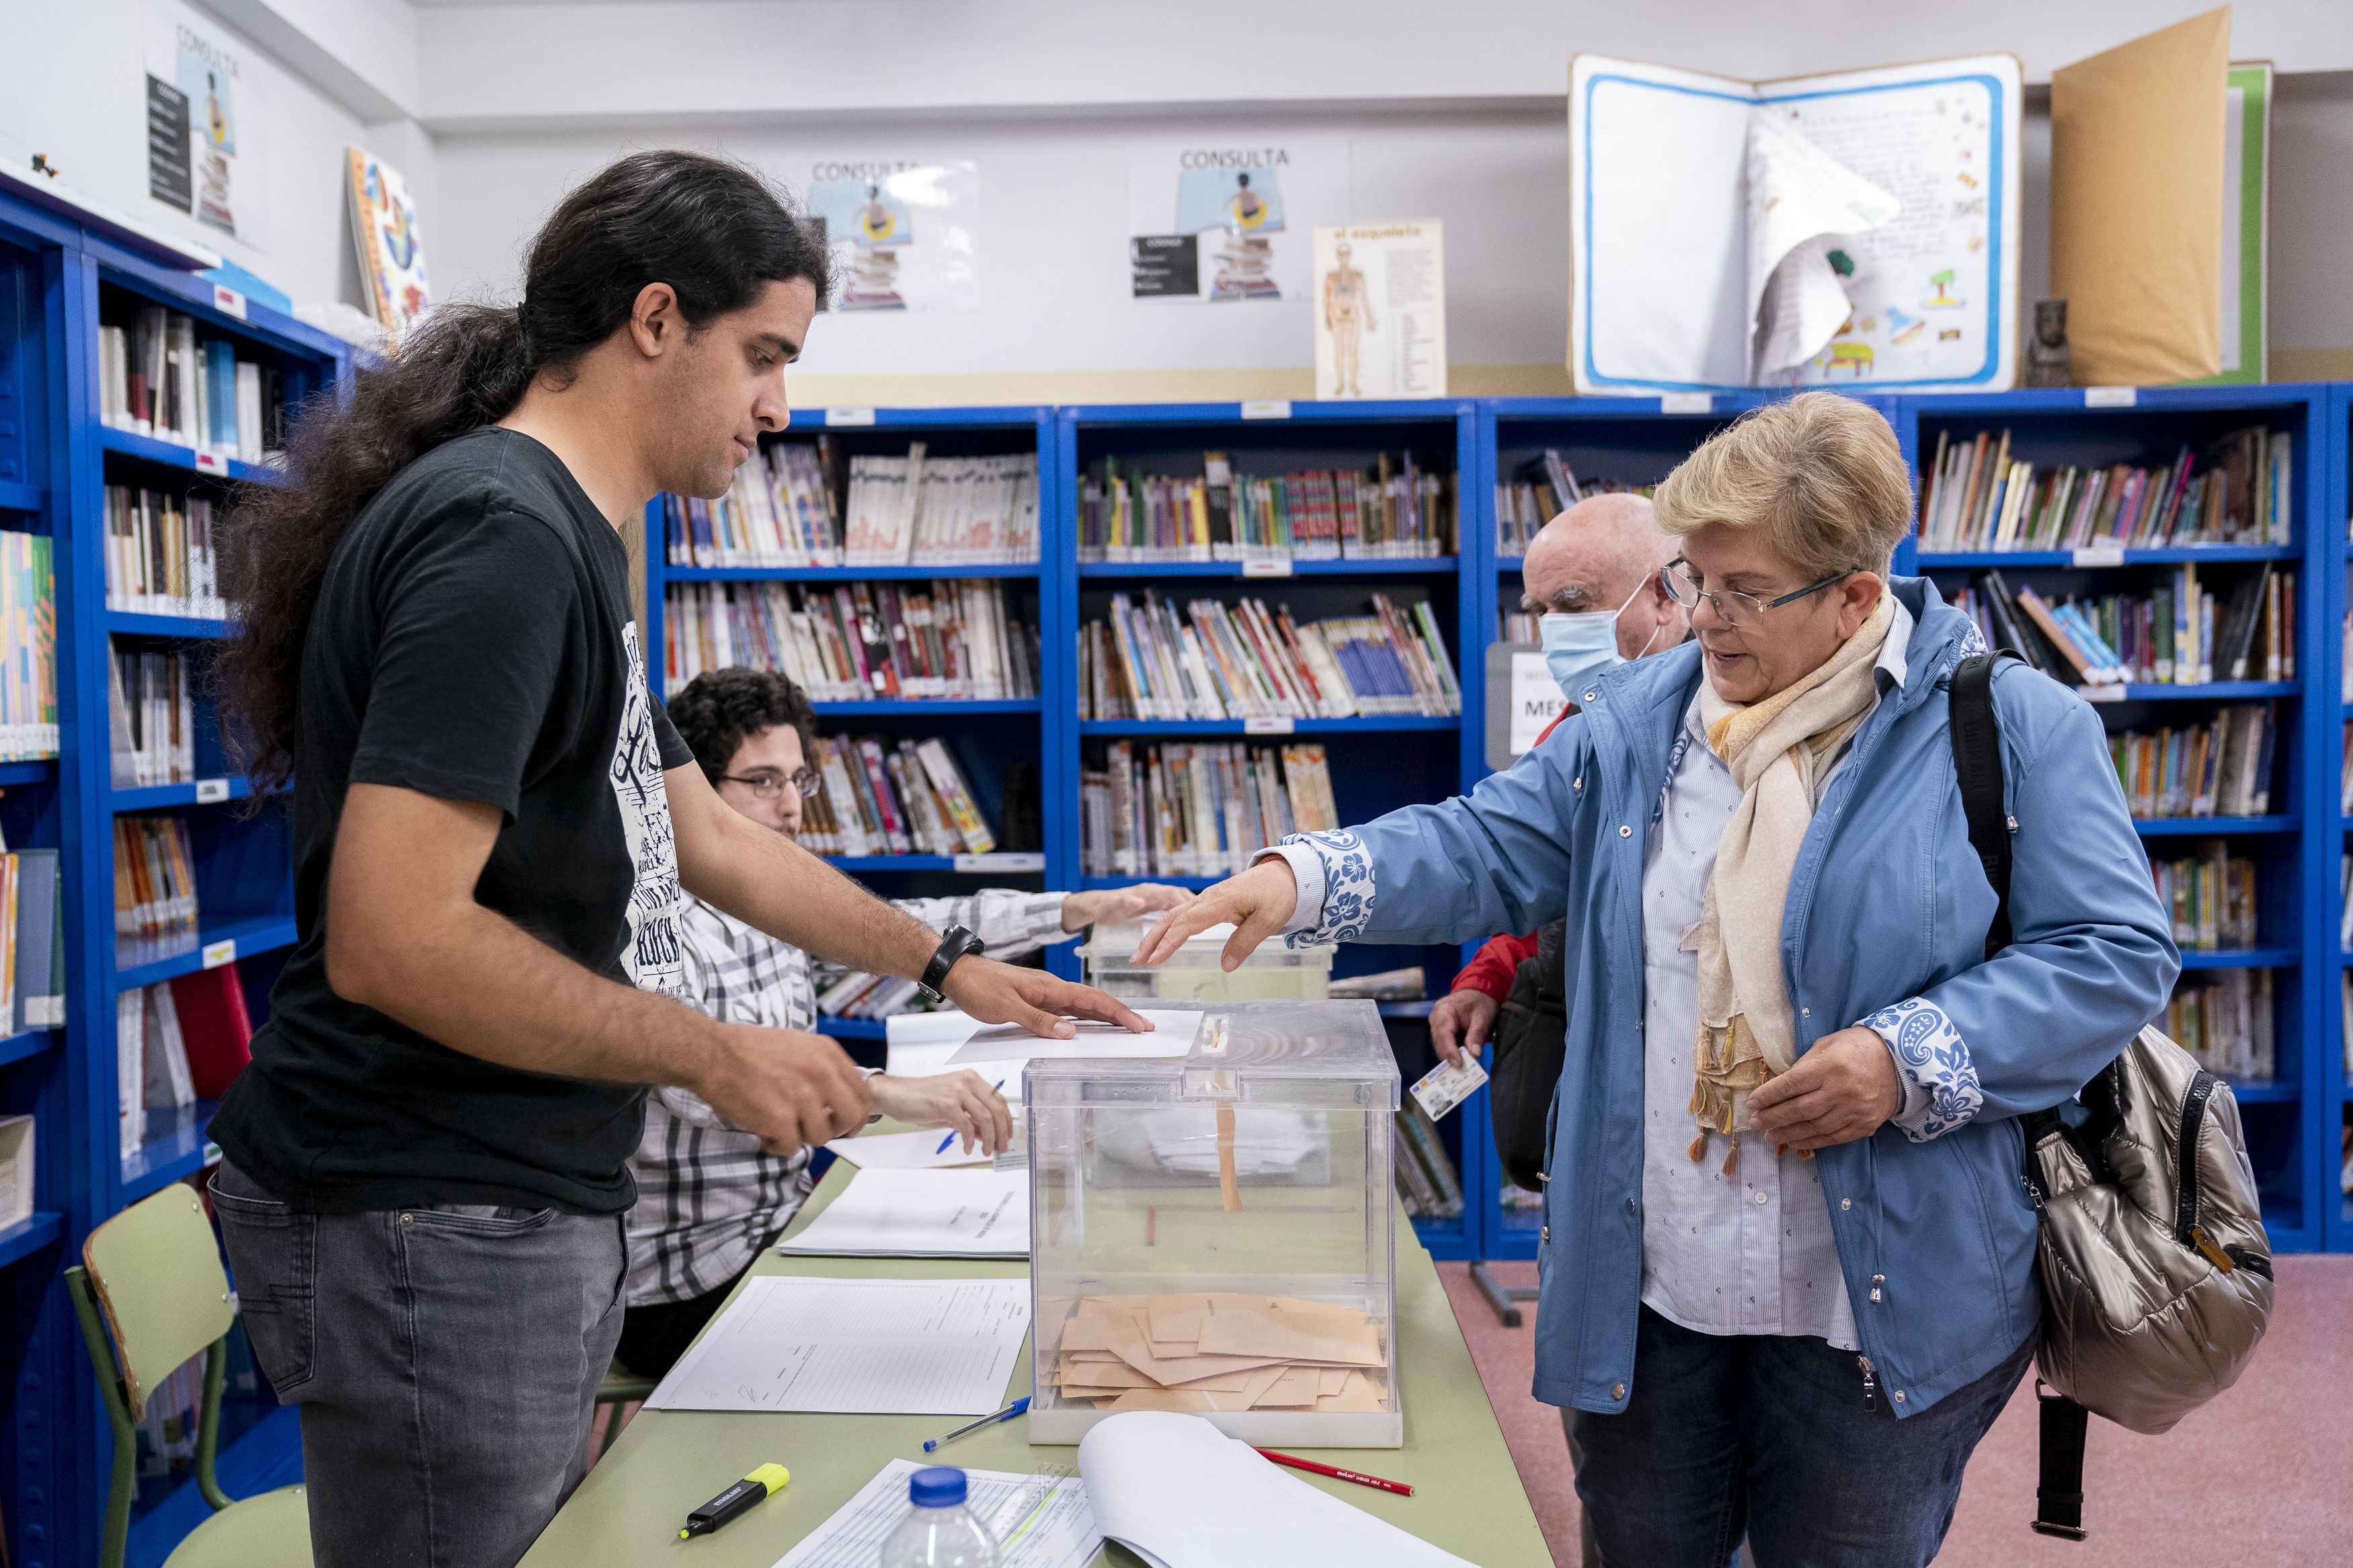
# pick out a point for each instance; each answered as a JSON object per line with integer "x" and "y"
{"x": 736, "y": 1500}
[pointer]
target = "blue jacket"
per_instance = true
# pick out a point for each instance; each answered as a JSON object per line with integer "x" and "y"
{"x": 1887, "y": 902}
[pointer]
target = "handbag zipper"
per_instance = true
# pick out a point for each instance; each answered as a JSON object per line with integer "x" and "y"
{"x": 1870, "y": 1383}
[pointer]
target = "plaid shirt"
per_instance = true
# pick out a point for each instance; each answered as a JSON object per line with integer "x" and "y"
{"x": 709, "y": 1198}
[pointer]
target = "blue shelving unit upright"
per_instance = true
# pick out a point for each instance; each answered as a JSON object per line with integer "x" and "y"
{"x": 2331, "y": 523}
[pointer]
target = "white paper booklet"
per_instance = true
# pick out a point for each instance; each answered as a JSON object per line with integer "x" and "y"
{"x": 1859, "y": 228}
{"x": 1039, "y": 1522}
{"x": 1171, "y": 1036}
{"x": 922, "y": 1214}
{"x": 917, "y": 1347}
{"x": 907, "y": 1150}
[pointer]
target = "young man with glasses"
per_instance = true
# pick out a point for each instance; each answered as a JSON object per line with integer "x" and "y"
{"x": 709, "y": 1198}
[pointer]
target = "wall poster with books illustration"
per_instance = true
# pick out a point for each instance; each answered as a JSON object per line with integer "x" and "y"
{"x": 390, "y": 244}
{"x": 1223, "y": 219}
{"x": 206, "y": 125}
{"x": 904, "y": 233}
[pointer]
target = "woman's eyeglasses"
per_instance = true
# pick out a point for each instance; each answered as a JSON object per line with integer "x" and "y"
{"x": 1733, "y": 606}
{"x": 767, "y": 786}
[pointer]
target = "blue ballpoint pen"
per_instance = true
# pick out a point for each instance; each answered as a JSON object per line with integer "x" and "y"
{"x": 943, "y": 1149}
{"x": 1008, "y": 1414}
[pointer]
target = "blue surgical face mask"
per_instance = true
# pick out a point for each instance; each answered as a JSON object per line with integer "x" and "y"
{"x": 1580, "y": 645}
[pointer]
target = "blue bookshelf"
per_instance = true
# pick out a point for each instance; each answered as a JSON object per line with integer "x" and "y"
{"x": 2331, "y": 1077}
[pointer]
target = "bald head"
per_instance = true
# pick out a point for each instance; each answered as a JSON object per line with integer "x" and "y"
{"x": 1597, "y": 555}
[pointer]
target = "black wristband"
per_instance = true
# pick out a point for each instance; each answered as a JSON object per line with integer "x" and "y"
{"x": 957, "y": 943}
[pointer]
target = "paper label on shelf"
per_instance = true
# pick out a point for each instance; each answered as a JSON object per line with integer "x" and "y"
{"x": 849, "y": 417}
{"x": 228, "y": 302}
{"x": 2101, "y": 556}
{"x": 1280, "y": 725}
{"x": 219, "y": 952}
{"x": 1267, "y": 409}
{"x": 1002, "y": 860}
{"x": 1686, "y": 403}
{"x": 211, "y": 463}
{"x": 2111, "y": 397}
{"x": 2100, "y": 693}
{"x": 1266, "y": 568}
{"x": 211, "y": 790}
{"x": 211, "y": 1156}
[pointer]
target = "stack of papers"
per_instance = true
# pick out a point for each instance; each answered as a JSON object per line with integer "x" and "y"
{"x": 887, "y": 1212}
{"x": 1222, "y": 1352}
{"x": 1171, "y": 1035}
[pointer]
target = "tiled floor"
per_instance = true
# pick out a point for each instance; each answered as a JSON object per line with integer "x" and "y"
{"x": 2262, "y": 1475}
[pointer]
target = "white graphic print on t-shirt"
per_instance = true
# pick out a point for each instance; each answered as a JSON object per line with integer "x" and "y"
{"x": 651, "y": 959}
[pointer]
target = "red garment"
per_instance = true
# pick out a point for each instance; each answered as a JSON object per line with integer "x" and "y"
{"x": 1491, "y": 968}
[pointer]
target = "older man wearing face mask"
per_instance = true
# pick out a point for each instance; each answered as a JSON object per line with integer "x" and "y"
{"x": 1592, "y": 577}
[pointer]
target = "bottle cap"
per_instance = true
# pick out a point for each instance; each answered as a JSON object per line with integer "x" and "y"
{"x": 942, "y": 1486}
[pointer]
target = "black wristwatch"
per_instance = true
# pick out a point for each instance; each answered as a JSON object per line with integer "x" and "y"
{"x": 957, "y": 943}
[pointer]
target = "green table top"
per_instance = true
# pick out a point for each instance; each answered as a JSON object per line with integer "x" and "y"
{"x": 1467, "y": 1495}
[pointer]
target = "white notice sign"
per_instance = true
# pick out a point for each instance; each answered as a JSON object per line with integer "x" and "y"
{"x": 1536, "y": 702}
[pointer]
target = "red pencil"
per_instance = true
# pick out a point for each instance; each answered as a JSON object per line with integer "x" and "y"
{"x": 1338, "y": 1474}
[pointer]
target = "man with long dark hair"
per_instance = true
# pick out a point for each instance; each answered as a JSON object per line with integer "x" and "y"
{"x": 424, "y": 1173}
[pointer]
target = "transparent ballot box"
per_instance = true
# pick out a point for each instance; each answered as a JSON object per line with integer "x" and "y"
{"x": 1194, "y": 973}
{"x": 1217, "y": 1232}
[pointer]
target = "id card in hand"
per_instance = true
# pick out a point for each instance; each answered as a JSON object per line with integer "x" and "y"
{"x": 1447, "y": 1085}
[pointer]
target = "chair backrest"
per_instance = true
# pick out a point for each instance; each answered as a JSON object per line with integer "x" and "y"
{"x": 156, "y": 1270}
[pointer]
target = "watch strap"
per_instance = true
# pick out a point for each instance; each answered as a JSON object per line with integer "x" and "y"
{"x": 958, "y": 943}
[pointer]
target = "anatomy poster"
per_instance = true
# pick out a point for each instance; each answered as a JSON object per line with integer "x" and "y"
{"x": 1216, "y": 221}
{"x": 904, "y": 233}
{"x": 1380, "y": 311}
{"x": 219, "y": 172}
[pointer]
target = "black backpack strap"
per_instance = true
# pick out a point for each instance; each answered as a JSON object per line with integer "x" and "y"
{"x": 2059, "y": 1491}
{"x": 1977, "y": 760}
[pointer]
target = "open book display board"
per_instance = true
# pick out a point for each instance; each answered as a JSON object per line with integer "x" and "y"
{"x": 1858, "y": 229}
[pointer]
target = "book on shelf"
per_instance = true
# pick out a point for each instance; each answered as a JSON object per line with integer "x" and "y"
{"x": 851, "y": 642}
{"x": 162, "y": 554}
{"x": 28, "y": 622}
{"x": 801, "y": 503}
{"x": 2180, "y": 633}
{"x": 1425, "y": 1174}
{"x": 36, "y": 961}
{"x": 150, "y": 707}
{"x": 2210, "y": 895}
{"x": 157, "y": 378}
{"x": 1548, "y": 486}
{"x": 877, "y": 796}
{"x": 216, "y": 1031}
{"x": 1394, "y": 510}
{"x": 854, "y": 993}
{"x": 154, "y": 880}
{"x": 16, "y": 1170}
{"x": 1242, "y": 661}
{"x": 2224, "y": 1018}
{"x": 1197, "y": 810}
{"x": 1975, "y": 495}
{"x": 2221, "y": 768}
{"x": 178, "y": 1042}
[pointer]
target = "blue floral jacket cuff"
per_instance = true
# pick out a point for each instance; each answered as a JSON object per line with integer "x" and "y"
{"x": 1334, "y": 872}
{"x": 1940, "y": 1083}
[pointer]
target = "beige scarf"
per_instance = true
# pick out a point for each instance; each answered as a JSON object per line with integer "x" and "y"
{"x": 1779, "y": 750}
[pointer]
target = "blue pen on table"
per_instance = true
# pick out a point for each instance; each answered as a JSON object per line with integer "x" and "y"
{"x": 952, "y": 1138}
{"x": 1008, "y": 1414}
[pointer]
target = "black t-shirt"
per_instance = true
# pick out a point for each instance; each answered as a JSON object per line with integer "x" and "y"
{"x": 472, "y": 641}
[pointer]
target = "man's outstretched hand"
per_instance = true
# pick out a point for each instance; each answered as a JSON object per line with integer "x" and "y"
{"x": 997, "y": 992}
{"x": 1257, "y": 903}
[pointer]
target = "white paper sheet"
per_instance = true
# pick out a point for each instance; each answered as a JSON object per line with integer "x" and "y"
{"x": 1799, "y": 199}
{"x": 1061, "y": 1535}
{"x": 1172, "y": 1035}
{"x": 1147, "y": 1472}
{"x": 922, "y": 1214}
{"x": 906, "y": 1151}
{"x": 929, "y": 1347}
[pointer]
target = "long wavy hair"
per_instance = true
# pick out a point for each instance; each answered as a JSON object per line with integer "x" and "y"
{"x": 715, "y": 231}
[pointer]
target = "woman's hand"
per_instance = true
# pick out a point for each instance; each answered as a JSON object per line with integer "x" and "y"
{"x": 959, "y": 1100}
{"x": 1461, "y": 1022}
{"x": 1842, "y": 1088}
{"x": 1257, "y": 903}
{"x": 1116, "y": 906}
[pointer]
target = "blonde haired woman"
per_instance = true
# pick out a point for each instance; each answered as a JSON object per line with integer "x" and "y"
{"x": 1787, "y": 1260}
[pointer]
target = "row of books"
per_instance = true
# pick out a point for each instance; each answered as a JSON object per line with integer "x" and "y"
{"x": 1197, "y": 810}
{"x": 28, "y": 648}
{"x": 1394, "y": 511}
{"x": 2345, "y": 927}
{"x": 2211, "y": 895}
{"x": 1548, "y": 486}
{"x": 854, "y": 993}
{"x": 157, "y": 378}
{"x": 1976, "y": 495}
{"x": 2218, "y": 769}
{"x": 2223, "y": 1017}
{"x": 151, "y": 704}
{"x": 176, "y": 1042}
{"x": 154, "y": 884}
{"x": 163, "y": 556}
{"x": 854, "y": 641}
{"x": 1242, "y": 661}
{"x": 2180, "y": 634}
{"x": 1425, "y": 1175}
{"x": 166, "y": 1433}
{"x": 794, "y": 505}
{"x": 886, "y": 798}
{"x": 32, "y": 946}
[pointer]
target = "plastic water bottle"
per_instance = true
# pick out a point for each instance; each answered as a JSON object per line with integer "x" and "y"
{"x": 939, "y": 1531}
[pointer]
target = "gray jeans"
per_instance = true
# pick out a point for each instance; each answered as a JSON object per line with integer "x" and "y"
{"x": 446, "y": 1361}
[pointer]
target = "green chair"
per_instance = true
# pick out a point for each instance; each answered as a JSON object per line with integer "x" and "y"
{"x": 151, "y": 1278}
{"x": 621, "y": 1387}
